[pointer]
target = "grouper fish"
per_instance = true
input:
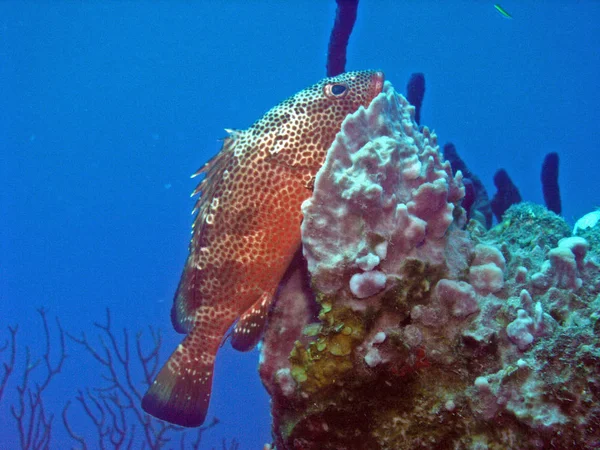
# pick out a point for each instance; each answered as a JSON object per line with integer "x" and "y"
{"x": 245, "y": 234}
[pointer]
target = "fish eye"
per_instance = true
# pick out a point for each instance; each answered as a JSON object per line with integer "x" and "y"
{"x": 336, "y": 90}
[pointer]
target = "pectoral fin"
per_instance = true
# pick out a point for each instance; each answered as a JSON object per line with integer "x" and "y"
{"x": 251, "y": 325}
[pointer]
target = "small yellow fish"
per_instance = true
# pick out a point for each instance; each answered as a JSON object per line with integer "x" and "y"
{"x": 245, "y": 234}
{"x": 502, "y": 11}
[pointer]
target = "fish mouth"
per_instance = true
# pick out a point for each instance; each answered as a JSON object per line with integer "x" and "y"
{"x": 377, "y": 85}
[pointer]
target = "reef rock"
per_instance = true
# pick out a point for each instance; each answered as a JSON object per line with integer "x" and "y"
{"x": 418, "y": 330}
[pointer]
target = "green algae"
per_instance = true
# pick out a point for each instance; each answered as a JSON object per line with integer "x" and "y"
{"x": 528, "y": 225}
{"x": 312, "y": 329}
{"x": 325, "y": 361}
{"x": 413, "y": 286}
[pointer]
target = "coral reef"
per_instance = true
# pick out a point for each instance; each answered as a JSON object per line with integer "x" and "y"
{"x": 588, "y": 227}
{"x": 431, "y": 332}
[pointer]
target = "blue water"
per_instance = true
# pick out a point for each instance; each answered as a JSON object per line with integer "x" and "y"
{"x": 106, "y": 108}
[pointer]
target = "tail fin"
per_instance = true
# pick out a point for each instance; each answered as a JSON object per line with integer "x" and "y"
{"x": 181, "y": 391}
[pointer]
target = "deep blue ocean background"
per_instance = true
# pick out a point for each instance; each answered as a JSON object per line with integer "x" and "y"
{"x": 107, "y": 108}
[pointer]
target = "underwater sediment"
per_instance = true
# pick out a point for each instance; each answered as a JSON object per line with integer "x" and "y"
{"x": 430, "y": 332}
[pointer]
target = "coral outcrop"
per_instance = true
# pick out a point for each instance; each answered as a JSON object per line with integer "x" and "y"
{"x": 410, "y": 328}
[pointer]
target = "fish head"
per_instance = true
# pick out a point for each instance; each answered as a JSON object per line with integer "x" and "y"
{"x": 343, "y": 94}
{"x": 298, "y": 131}
{"x": 354, "y": 89}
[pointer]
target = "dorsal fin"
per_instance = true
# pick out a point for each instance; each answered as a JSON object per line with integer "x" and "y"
{"x": 249, "y": 328}
{"x": 184, "y": 306}
{"x": 214, "y": 169}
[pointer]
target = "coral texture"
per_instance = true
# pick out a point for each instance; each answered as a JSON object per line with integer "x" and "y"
{"x": 383, "y": 185}
{"x": 431, "y": 333}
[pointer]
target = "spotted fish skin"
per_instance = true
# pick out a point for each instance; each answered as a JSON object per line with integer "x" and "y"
{"x": 245, "y": 234}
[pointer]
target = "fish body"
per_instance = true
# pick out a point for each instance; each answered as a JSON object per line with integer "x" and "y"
{"x": 502, "y": 11}
{"x": 245, "y": 234}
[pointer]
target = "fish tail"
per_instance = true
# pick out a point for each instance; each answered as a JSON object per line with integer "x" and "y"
{"x": 181, "y": 392}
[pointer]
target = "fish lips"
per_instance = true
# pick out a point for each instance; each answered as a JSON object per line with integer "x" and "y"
{"x": 377, "y": 85}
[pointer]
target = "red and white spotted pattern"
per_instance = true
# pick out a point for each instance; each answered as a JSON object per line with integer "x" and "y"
{"x": 246, "y": 232}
